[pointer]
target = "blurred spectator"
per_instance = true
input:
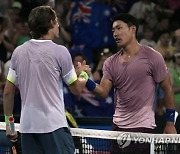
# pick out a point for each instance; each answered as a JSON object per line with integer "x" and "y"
{"x": 97, "y": 74}
{"x": 177, "y": 33}
{"x": 6, "y": 45}
{"x": 62, "y": 8}
{"x": 122, "y": 6}
{"x": 51, "y": 3}
{"x": 164, "y": 46}
{"x": 147, "y": 38}
{"x": 2, "y": 83}
{"x": 175, "y": 77}
{"x": 175, "y": 19}
{"x": 163, "y": 7}
{"x": 17, "y": 6}
{"x": 21, "y": 33}
{"x": 13, "y": 14}
{"x": 143, "y": 10}
{"x": 176, "y": 40}
{"x": 163, "y": 25}
{"x": 4, "y": 5}
{"x": 65, "y": 36}
{"x": 16, "y": 10}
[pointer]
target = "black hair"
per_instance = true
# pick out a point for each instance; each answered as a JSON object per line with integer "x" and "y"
{"x": 164, "y": 32}
{"x": 39, "y": 20}
{"x": 147, "y": 27}
{"x": 128, "y": 19}
{"x": 80, "y": 54}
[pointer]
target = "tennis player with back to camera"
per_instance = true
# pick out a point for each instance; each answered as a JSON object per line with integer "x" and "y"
{"x": 38, "y": 68}
{"x": 134, "y": 72}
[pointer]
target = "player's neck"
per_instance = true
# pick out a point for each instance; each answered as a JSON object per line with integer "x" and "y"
{"x": 47, "y": 37}
{"x": 132, "y": 48}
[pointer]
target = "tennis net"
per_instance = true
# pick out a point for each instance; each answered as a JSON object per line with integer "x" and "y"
{"x": 91, "y": 141}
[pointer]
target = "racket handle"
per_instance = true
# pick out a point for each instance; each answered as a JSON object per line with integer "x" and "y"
{"x": 11, "y": 124}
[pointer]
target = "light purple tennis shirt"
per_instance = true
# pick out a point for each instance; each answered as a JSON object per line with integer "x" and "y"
{"x": 134, "y": 83}
{"x": 40, "y": 66}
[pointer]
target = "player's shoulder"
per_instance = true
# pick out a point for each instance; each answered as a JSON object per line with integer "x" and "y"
{"x": 60, "y": 52}
{"x": 60, "y": 47}
{"x": 149, "y": 51}
{"x": 113, "y": 58}
{"x": 116, "y": 55}
{"x": 20, "y": 48}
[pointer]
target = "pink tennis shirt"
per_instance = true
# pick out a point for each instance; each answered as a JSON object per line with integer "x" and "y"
{"x": 134, "y": 84}
{"x": 40, "y": 66}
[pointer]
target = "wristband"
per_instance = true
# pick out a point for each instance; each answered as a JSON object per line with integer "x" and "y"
{"x": 170, "y": 114}
{"x": 7, "y": 119}
{"x": 90, "y": 85}
{"x": 84, "y": 75}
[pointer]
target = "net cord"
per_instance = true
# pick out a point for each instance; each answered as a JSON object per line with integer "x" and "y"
{"x": 107, "y": 134}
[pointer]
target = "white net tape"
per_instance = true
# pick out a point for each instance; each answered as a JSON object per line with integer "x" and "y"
{"x": 114, "y": 135}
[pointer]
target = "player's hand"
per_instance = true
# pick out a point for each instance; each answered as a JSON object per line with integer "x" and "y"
{"x": 83, "y": 67}
{"x": 11, "y": 135}
{"x": 170, "y": 128}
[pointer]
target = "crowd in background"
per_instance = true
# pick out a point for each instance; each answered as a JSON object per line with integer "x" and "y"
{"x": 85, "y": 29}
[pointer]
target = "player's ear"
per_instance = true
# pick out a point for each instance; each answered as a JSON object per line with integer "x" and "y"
{"x": 52, "y": 23}
{"x": 133, "y": 28}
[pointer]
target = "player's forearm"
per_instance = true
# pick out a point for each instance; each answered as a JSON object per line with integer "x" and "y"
{"x": 170, "y": 107}
{"x": 77, "y": 87}
{"x": 8, "y": 106}
{"x": 169, "y": 99}
{"x": 8, "y": 101}
{"x": 168, "y": 92}
{"x": 100, "y": 91}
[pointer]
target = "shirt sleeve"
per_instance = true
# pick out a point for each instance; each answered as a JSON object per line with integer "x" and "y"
{"x": 107, "y": 70}
{"x": 67, "y": 68}
{"x": 160, "y": 69}
{"x": 12, "y": 75}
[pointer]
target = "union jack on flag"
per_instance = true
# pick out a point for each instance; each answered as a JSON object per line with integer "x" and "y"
{"x": 83, "y": 13}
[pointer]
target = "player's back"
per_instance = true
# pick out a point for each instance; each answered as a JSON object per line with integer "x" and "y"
{"x": 39, "y": 72}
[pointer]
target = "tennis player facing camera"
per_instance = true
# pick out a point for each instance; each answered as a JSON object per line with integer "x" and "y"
{"x": 134, "y": 72}
{"x": 38, "y": 68}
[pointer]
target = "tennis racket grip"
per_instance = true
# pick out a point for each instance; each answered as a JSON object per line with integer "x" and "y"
{"x": 11, "y": 124}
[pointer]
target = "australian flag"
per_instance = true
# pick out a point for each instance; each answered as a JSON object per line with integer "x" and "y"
{"x": 88, "y": 104}
{"x": 90, "y": 24}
